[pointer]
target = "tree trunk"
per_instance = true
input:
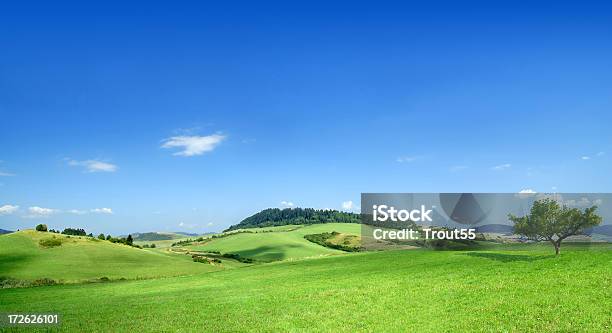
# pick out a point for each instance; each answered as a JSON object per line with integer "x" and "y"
{"x": 557, "y": 248}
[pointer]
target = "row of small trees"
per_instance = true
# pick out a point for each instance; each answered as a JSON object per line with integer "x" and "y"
{"x": 81, "y": 232}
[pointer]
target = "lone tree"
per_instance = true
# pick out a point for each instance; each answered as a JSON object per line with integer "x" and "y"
{"x": 547, "y": 221}
{"x": 41, "y": 227}
{"x": 129, "y": 240}
{"x": 101, "y": 237}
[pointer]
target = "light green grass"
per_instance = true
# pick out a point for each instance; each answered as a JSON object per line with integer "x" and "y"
{"x": 526, "y": 290}
{"x": 162, "y": 244}
{"x": 286, "y": 242}
{"x": 83, "y": 258}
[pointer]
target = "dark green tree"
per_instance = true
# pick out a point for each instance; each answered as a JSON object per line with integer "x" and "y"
{"x": 108, "y": 237}
{"x": 41, "y": 227}
{"x": 548, "y": 221}
{"x": 129, "y": 240}
{"x": 101, "y": 237}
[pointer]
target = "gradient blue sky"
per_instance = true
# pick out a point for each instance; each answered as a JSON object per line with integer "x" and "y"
{"x": 316, "y": 102}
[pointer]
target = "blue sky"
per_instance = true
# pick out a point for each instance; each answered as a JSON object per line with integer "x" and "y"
{"x": 189, "y": 117}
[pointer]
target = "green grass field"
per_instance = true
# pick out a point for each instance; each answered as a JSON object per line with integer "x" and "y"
{"x": 286, "y": 242}
{"x": 83, "y": 258}
{"x": 499, "y": 287}
{"x": 412, "y": 290}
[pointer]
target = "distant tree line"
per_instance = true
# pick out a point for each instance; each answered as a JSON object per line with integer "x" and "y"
{"x": 81, "y": 232}
{"x": 273, "y": 217}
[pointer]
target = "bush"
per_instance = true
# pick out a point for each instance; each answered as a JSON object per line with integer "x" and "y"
{"x": 50, "y": 242}
{"x": 237, "y": 257}
{"x": 322, "y": 239}
{"x": 41, "y": 227}
{"x": 12, "y": 283}
{"x": 43, "y": 282}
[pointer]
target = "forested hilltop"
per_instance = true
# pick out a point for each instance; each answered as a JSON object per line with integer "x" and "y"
{"x": 272, "y": 217}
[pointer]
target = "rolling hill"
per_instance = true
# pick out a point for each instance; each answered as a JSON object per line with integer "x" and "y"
{"x": 496, "y": 228}
{"x": 528, "y": 290}
{"x": 277, "y": 243}
{"x": 82, "y": 258}
{"x": 277, "y": 217}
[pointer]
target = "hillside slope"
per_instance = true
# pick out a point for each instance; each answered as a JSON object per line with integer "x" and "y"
{"x": 388, "y": 291}
{"x": 83, "y": 258}
{"x": 277, "y": 217}
{"x": 278, "y": 243}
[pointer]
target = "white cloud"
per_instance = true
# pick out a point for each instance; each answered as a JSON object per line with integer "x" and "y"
{"x": 8, "y": 209}
{"x": 587, "y": 157}
{"x": 287, "y": 204}
{"x": 193, "y": 145}
{"x": 502, "y": 167}
{"x": 6, "y": 174}
{"x": 406, "y": 159}
{"x": 348, "y": 205}
{"x": 77, "y": 212}
{"x": 94, "y": 165}
{"x": 40, "y": 212}
{"x": 102, "y": 211}
{"x": 210, "y": 224}
{"x": 527, "y": 191}
{"x": 187, "y": 225}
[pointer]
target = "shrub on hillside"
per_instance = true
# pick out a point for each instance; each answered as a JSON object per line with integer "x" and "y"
{"x": 43, "y": 282}
{"x": 50, "y": 242}
{"x": 323, "y": 240}
{"x": 41, "y": 227}
{"x": 237, "y": 257}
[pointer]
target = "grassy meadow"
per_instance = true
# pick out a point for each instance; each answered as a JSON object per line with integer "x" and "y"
{"x": 499, "y": 287}
{"x": 83, "y": 258}
{"x": 278, "y": 243}
{"x": 398, "y": 291}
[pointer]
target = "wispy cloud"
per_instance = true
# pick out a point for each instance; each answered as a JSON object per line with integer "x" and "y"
{"x": 287, "y": 204}
{"x": 102, "y": 211}
{"x": 8, "y": 209}
{"x": 587, "y": 157}
{"x": 502, "y": 167}
{"x": 193, "y": 145}
{"x": 187, "y": 225}
{"x": 94, "y": 165}
{"x": 40, "y": 212}
{"x": 406, "y": 159}
{"x": 348, "y": 205}
{"x": 6, "y": 174}
{"x": 77, "y": 212}
{"x": 527, "y": 191}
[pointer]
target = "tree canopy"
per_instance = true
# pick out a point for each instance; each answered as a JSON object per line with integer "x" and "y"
{"x": 276, "y": 217}
{"x": 549, "y": 221}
